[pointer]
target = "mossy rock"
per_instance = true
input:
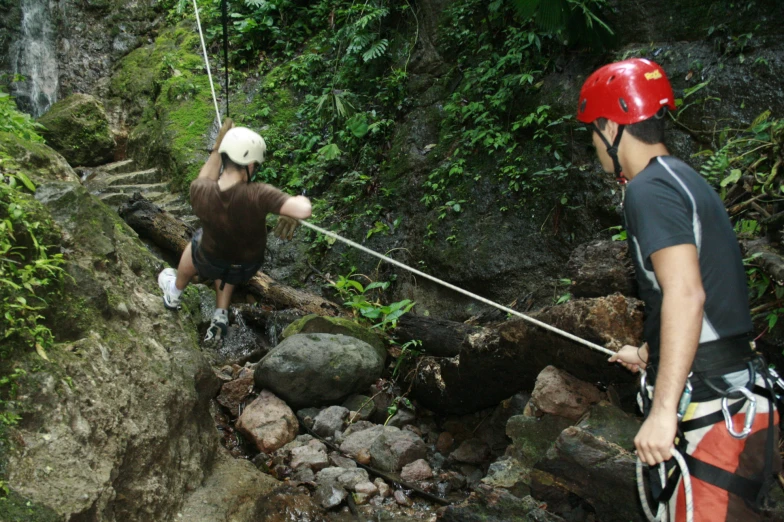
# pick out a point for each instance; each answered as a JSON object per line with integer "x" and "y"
{"x": 335, "y": 325}
{"x": 38, "y": 161}
{"x": 612, "y": 424}
{"x": 533, "y": 436}
{"x": 15, "y": 508}
{"x": 77, "y": 128}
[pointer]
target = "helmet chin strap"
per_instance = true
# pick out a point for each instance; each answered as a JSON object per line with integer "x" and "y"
{"x": 612, "y": 150}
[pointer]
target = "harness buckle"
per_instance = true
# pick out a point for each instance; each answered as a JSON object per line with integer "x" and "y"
{"x": 750, "y": 413}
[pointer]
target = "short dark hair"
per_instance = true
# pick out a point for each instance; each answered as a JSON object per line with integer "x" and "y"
{"x": 650, "y": 131}
{"x": 227, "y": 162}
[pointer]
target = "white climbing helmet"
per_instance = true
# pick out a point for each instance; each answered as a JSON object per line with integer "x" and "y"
{"x": 243, "y": 146}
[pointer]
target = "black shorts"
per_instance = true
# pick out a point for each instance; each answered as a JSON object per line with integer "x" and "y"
{"x": 219, "y": 270}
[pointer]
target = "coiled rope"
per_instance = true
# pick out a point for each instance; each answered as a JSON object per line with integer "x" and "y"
{"x": 640, "y": 484}
{"x": 661, "y": 514}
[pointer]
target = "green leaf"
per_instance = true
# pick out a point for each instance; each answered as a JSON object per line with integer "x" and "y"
{"x": 733, "y": 177}
{"x": 330, "y": 152}
{"x": 376, "y": 50}
{"x": 358, "y": 125}
{"x": 27, "y": 183}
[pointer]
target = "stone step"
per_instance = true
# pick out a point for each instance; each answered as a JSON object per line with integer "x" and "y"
{"x": 118, "y": 167}
{"x": 118, "y": 198}
{"x": 136, "y": 178}
{"x": 142, "y": 188}
{"x": 178, "y": 209}
{"x": 192, "y": 221}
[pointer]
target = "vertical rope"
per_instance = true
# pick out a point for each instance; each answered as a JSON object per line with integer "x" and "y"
{"x": 225, "y": 16}
{"x": 207, "y": 63}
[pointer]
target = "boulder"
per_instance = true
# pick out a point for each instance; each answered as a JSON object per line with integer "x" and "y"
{"x": 318, "y": 369}
{"x": 416, "y": 471}
{"x": 41, "y": 163}
{"x": 329, "y": 420}
{"x": 496, "y": 505}
{"x": 335, "y": 325}
{"x": 77, "y": 128}
{"x": 533, "y": 436}
{"x": 558, "y": 393}
{"x": 268, "y": 422}
{"x": 471, "y": 451}
{"x": 354, "y": 443}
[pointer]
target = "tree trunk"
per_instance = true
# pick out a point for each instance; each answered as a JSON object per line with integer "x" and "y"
{"x": 439, "y": 338}
{"x": 172, "y": 235}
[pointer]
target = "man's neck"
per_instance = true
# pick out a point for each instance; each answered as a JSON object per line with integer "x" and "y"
{"x": 231, "y": 177}
{"x": 635, "y": 158}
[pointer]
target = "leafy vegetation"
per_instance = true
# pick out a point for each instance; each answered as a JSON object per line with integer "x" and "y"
{"x": 16, "y": 122}
{"x": 366, "y": 301}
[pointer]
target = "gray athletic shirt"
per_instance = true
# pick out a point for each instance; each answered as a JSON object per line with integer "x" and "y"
{"x": 669, "y": 204}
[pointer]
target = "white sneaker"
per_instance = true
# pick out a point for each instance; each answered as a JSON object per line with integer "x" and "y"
{"x": 165, "y": 281}
{"x": 219, "y": 327}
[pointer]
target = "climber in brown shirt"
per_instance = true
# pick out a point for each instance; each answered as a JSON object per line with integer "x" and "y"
{"x": 229, "y": 249}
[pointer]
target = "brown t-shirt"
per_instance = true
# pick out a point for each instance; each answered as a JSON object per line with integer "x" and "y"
{"x": 235, "y": 220}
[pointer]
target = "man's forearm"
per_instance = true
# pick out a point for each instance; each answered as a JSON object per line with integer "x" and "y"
{"x": 211, "y": 168}
{"x": 681, "y": 324}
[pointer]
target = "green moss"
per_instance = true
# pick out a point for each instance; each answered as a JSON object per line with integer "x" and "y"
{"x": 15, "y": 508}
{"x": 38, "y": 161}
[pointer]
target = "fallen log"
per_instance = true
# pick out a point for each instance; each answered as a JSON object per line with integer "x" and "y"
{"x": 493, "y": 363}
{"x": 440, "y": 338}
{"x": 171, "y": 234}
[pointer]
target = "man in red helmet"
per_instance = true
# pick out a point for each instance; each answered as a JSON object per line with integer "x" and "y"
{"x": 697, "y": 329}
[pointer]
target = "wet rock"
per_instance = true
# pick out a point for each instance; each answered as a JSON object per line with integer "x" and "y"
{"x": 602, "y": 268}
{"x": 473, "y": 475}
{"x": 366, "y": 488}
{"x": 578, "y": 463}
{"x": 612, "y": 424}
{"x": 224, "y": 374}
{"x": 288, "y": 503}
{"x": 351, "y": 477}
{"x": 329, "y": 420}
{"x": 361, "y": 406}
{"x": 416, "y": 471}
{"x": 235, "y": 392}
{"x": 308, "y": 416}
{"x": 402, "y": 499}
{"x": 304, "y": 474}
{"x": 384, "y": 491}
{"x": 394, "y": 448}
{"x": 558, "y": 393}
{"x": 360, "y": 440}
{"x": 533, "y": 436}
{"x": 330, "y": 495}
{"x": 310, "y": 456}
{"x": 268, "y": 422}
{"x": 77, "y": 128}
{"x": 445, "y": 442}
{"x": 357, "y": 426}
{"x": 319, "y": 369}
{"x": 341, "y": 462}
{"x": 496, "y": 505}
{"x": 471, "y": 451}
{"x": 402, "y": 418}
{"x": 508, "y": 473}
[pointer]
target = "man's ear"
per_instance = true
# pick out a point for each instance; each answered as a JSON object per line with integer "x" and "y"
{"x": 611, "y": 131}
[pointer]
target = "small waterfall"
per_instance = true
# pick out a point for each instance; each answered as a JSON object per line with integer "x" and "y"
{"x": 34, "y": 57}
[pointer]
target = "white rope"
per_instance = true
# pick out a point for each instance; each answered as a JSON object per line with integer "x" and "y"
{"x": 207, "y": 63}
{"x": 661, "y": 513}
{"x": 460, "y": 290}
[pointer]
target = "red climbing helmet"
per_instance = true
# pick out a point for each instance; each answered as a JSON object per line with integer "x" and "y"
{"x": 625, "y": 92}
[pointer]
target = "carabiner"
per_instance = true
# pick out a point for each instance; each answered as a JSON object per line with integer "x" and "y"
{"x": 683, "y": 404}
{"x": 778, "y": 380}
{"x": 750, "y": 413}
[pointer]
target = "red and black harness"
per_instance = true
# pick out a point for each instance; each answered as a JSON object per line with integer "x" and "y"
{"x": 707, "y": 370}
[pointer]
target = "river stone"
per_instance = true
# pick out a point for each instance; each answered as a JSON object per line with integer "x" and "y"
{"x": 354, "y": 443}
{"x": 329, "y": 420}
{"x": 330, "y": 495}
{"x": 362, "y": 405}
{"x": 268, "y": 422}
{"x": 318, "y": 369}
{"x": 394, "y": 448}
{"x": 533, "y": 436}
{"x": 234, "y": 393}
{"x": 496, "y": 505}
{"x": 77, "y": 127}
{"x": 471, "y": 451}
{"x": 309, "y": 456}
{"x": 509, "y": 474}
{"x": 335, "y": 325}
{"x": 416, "y": 471}
{"x": 558, "y": 393}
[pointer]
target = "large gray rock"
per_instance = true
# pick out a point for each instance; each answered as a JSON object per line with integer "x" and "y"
{"x": 317, "y": 369}
{"x": 77, "y": 128}
{"x": 533, "y": 436}
{"x": 602, "y": 268}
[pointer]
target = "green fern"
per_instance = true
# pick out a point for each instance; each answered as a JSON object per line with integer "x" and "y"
{"x": 376, "y": 50}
